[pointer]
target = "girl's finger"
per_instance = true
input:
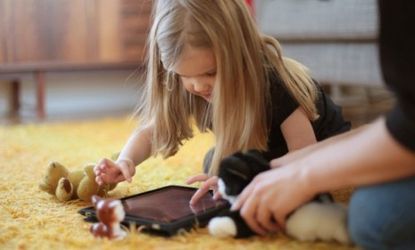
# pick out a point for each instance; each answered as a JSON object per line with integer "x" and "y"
{"x": 96, "y": 169}
{"x": 214, "y": 188}
{"x": 197, "y": 178}
{"x": 217, "y": 196}
{"x": 100, "y": 163}
{"x": 104, "y": 178}
{"x": 198, "y": 194}
{"x": 204, "y": 188}
{"x": 125, "y": 172}
{"x": 211, "y": 182}
{"x": 98, "y": 180}
{"x": 119, "y": 178}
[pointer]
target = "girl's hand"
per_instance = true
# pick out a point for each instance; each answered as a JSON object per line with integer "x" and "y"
{"x": 208, "y": 183}
{"x": 271, "y": 196}
{"x": 107, "y": 171}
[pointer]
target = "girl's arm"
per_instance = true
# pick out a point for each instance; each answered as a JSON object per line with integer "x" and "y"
{"x": 138, "y": 147}
{"x": 298, "y": 131}
{"x": 136, "y": 150}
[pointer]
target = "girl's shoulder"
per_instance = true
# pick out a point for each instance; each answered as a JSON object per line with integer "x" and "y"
{"x": 279, "y": 92}
{"x": 280, "y": 102}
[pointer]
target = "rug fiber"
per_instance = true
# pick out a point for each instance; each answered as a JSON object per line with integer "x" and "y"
{"x": 31, "y": 219}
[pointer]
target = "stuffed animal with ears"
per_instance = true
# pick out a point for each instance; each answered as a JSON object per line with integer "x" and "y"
{"x": 67, "y": 185}
{"x": 319, "y": 219}
{"x": 110, "y": 213}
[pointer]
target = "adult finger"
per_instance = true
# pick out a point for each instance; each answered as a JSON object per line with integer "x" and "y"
{"x": 197, "y": 178}
{"x": 243, "y": 197}
{"x": 279, "y": 217}
{"x": 264, "y": 217}
{"x": 248, "y": 212}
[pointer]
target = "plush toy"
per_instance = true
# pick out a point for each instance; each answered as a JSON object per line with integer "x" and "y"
{"x": 319, "y": 219}
{"x": 110, "y": 213}
{"x": 67, "y": 185}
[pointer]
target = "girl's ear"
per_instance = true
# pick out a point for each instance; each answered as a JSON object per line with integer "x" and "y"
{"x": 95, "y": 199}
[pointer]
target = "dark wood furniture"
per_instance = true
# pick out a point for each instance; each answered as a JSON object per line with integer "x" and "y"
{"x": 40, "y": 36}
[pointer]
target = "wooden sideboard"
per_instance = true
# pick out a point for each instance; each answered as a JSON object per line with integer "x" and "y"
{"x": 40, "y": 36}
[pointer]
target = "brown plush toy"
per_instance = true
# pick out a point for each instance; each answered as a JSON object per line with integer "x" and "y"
{"x": 67, "y": 185}
{"x": 110, "y": 213}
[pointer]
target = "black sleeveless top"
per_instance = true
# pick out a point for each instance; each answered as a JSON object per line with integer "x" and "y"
{"x": 282, "y": 105}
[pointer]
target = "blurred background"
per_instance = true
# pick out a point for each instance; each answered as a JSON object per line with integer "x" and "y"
{"x": 82, "y": 59}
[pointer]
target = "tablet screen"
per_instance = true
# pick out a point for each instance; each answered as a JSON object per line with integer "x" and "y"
{"x": 167, "y": 205}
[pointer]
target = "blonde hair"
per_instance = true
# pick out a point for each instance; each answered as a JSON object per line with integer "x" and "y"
{"x": 244, "y": 57}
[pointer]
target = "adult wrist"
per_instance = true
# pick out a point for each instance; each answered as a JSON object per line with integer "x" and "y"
{"x": 306, "y": 176}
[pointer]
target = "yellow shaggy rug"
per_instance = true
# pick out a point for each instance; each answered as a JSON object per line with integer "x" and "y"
{"x": 31, "y": 219}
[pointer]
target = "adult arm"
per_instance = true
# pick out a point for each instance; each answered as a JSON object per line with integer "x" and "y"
{"x": 372, "y": 156}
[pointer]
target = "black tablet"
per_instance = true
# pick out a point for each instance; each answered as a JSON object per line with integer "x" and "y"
{"x": 166, "y": 210}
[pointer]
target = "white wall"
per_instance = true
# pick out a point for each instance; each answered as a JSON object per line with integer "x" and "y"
{"x": 335, "y": 39}
{"x": 78, "y": 94}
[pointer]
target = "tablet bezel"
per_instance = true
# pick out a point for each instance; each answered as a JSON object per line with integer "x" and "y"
{"x": 163, "y": 228}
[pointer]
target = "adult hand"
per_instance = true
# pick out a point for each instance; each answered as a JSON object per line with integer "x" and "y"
{"x": 208, "y": 184}
{"x": 271, "y": 196}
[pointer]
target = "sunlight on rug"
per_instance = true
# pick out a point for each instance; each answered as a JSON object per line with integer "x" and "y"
{"x": 31, "y": 219}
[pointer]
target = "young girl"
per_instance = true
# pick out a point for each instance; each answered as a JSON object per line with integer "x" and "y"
{"x": 209, "y": 65}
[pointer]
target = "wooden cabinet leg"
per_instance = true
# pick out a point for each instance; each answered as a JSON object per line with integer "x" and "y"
{"x": 15, "y": 97}
{"x": 40, "y": 94}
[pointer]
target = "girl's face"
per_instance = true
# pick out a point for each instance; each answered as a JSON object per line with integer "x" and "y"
{"x": 197, "y": 71}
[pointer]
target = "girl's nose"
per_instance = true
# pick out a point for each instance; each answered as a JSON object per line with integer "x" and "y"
{"x": 200, "y": 87}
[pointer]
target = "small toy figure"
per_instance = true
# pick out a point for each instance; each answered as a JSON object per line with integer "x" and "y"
{"x": 110, "y": 213}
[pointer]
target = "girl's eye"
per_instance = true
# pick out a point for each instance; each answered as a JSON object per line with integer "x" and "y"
{"x": 210, "y": 74}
